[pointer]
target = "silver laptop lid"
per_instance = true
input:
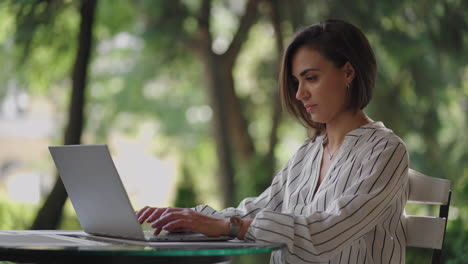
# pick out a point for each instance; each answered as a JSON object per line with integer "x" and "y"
{"x": 96, "y": 190}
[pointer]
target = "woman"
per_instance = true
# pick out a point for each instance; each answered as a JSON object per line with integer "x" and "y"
{"x": 341, "y": 197}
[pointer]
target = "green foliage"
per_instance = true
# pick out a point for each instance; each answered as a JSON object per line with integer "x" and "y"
{"x": 251, "y": 259}
{"x": 185, "y": 193}
{"x": 15, "y": 215}
{"x": 19, "y": 215}
{"x": 252, "y": 177}
{"x": 418, "y": 255}
{"x": 41, "y": 37}
{"x": 456, "y": 246}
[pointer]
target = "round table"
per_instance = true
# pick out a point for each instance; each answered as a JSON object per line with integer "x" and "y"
{"x": 122, "y": 252}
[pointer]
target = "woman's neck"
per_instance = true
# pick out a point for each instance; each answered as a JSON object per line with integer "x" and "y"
{"x": 340, "y": 126}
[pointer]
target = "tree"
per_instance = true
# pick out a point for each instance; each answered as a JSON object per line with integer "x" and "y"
{"x": 235, "y": 148}
{"x": 229, "y": 123}
{"x": 49, "y": 215}
{"x": 169, "y": 41}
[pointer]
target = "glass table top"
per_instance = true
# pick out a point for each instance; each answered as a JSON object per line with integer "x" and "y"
{"x": 80, "y": 244}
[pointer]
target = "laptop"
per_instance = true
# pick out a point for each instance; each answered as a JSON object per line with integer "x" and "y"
{"x": 99, "y": 197}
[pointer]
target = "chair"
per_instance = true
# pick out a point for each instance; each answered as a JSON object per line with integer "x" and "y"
{"x": 428, "y": 231}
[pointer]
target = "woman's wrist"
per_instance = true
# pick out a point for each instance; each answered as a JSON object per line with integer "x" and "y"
{"x": 243, "y": 229}
{"x": 226, "y": 227}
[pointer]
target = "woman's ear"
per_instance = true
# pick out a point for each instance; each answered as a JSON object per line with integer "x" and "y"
{"x": 349, "y": 71}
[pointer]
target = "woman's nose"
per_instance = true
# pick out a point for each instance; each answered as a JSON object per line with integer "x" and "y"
{"x": 301, "y": 92}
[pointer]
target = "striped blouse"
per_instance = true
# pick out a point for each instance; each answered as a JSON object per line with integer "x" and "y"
{"x": 356, "y": 214}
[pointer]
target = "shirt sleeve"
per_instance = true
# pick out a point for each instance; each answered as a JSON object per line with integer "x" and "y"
{"x": 271, "y": 199}
{"x": 319, "y": 235}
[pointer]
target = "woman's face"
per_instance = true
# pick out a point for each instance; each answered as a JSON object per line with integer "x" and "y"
{"x": 321, "y": 86}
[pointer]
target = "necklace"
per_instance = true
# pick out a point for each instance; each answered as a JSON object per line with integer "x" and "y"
{"x": 330, "y": 155}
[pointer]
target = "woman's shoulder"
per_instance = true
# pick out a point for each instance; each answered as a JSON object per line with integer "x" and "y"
{"x": 377, "y": 133}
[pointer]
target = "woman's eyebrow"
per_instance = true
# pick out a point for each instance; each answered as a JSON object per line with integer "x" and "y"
{"x": 308, "y": 70}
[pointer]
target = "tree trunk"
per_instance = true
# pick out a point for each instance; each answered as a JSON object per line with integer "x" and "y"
{"x": 50, "y": 214}
{"x": 229, "y": 124}
{"x": 213, "y": 71}
{"x": 243, "y": 145}
{"x": 270, "y": 161}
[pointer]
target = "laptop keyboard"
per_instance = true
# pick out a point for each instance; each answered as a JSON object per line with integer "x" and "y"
{"x": 150, "y": 234}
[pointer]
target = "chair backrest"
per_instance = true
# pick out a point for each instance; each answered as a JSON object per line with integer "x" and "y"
{"x": 428, "y": 231}
{"x": 428, "y": 190}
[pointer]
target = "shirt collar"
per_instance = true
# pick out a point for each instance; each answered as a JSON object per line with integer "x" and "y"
{"x": 355, "y": 133}
{"x": 365, "y": 128}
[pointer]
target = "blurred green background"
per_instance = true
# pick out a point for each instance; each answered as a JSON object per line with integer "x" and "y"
{"x": 194, "y": 83}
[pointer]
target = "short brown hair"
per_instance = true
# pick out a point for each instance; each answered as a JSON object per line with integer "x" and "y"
{"x": 339, "y": 42}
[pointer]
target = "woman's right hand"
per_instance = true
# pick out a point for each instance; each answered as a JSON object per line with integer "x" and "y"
{"x": 182, "y": 220}
{"x": 150, "y": 214}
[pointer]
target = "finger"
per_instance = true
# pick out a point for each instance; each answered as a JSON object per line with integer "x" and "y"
{"x": 160, "y": 213}
{"x": 157, "y": 231}
{"x": 179, "y": 224}
{"x": 145, "y": 214}
{"x": 156, "y": 214}
{"x": 158, "y": 220}
{"x": 168, "y": 217}
{"x": 172, "y": 209}
{"x": 140, "y": 212}
{"x": 181, "y": 230}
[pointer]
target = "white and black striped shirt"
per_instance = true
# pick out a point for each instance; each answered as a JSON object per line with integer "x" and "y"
{"x": 357, "y": 213}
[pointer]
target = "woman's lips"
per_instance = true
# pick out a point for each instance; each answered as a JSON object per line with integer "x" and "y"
{"x": 310, "y": 108}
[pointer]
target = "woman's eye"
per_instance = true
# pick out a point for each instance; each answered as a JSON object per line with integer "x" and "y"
{"x": 312, "y": 78}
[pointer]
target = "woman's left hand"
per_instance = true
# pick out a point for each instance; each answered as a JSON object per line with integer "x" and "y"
{"x": 187, "y": 219}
